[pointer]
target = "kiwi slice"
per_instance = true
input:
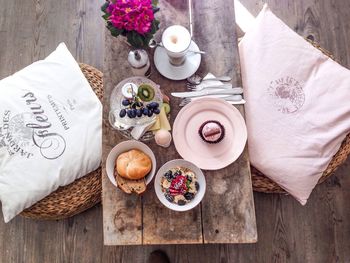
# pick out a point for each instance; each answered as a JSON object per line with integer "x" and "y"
{"x": 166, "y": 107}
{"x": 145, "y": 92}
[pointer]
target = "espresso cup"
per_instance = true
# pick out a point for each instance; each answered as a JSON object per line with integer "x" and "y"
{"x": 176, "y": 40}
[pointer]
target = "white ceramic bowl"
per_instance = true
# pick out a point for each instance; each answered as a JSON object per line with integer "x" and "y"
{"x": 124, "y": 147}
{"x": 201, "y": 181}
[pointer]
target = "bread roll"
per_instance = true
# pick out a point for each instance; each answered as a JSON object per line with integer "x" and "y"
{"x": 133, "y": 165}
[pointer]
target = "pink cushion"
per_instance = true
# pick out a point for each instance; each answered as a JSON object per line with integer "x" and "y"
{"x": 298, "y": 105}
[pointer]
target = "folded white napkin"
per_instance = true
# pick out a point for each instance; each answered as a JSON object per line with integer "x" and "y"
{"x": 208, "y": 83}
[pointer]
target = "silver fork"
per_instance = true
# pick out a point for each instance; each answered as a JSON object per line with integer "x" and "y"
{"x": 235, "y": 99}
{"x": 199, "y": 88}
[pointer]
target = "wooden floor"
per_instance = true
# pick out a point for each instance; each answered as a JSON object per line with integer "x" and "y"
{"x": 287, "y": 232}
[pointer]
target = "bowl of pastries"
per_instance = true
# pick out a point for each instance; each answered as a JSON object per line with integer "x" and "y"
{"x": 131, "y": 166}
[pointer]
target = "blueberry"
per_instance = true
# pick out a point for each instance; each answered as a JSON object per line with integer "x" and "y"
{"x": 156, "y": 111}
{"x": 138, "y": 113}
{"x": 145, "y": 111}
{"x": 122, "y": 113}
{"x": 197, "y": 186}
{"x": 150, "y": 113}
{"x": 181, "y": 202}
{"x": 125, "y": 102}
{"x": 169, "y": 198}
{"x": 169, "y": 175}
{"x": 189, "y": 196}
{"x": 177, "y": 173}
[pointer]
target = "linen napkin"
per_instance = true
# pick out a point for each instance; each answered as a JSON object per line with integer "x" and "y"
{"x": 209, "y": 83}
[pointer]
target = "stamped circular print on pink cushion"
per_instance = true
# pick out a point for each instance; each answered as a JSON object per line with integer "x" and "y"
{"x": 190, "y": 145}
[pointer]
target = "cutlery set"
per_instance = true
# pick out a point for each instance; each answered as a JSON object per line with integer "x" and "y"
{"x": 233, "y": 95}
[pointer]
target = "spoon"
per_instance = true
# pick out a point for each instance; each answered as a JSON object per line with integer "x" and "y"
{"x": 196, "y": 79}
{"x": 153, "y": 44}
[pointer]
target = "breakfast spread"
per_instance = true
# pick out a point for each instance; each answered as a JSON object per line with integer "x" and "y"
{"x": 212, "y": 131}
{"x": 138, "y": 101}
{"x": 179, "y": 185}
{"x": 131, "y": 169}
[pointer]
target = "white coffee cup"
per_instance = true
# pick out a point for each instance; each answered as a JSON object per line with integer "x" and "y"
{"x": 176, "y": 40}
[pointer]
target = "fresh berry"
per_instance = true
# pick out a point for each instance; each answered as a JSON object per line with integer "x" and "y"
{"x": 122, "y": 113}
{"x": 177, "y": 173}
{"x": 153, "y": 105}
{"x": 139, "y": 113}
{"x": 128, "y": 112}
{"x": 197, "y": 186}
{"x": 169, "y": 198}
{"x": 189, "y": 196}
{"x": 145, "y": 111}
{"x": 169, "y": 175}
{"x": 133, "y": 112}
{"x": 181, "y": 202}
{"x": 125, "y": 102}
{"x": 150, "y": 113}
{"x": 156, "y": 111}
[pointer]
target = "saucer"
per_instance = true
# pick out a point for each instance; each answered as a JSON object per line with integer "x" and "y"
{"x": 172, "y": 72}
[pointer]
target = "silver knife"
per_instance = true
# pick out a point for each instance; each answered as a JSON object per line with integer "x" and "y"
{"x": 191, "y": 94}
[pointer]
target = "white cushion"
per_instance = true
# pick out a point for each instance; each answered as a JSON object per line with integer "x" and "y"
{"x": 50, "y": 130}
{"x": 297, "y": 110}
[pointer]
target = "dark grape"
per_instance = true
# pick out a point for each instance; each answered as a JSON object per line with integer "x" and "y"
{"x": 125, "y": 102}
{"x": 128, "y": 112}
{"x": 138, "y": 112}
{"x": 133, "y": 112}
{"x": 153, "y": 105}
{"x": 122, "y": 113}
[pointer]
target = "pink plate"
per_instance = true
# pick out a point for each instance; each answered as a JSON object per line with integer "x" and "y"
{"x": 192, "y": 148}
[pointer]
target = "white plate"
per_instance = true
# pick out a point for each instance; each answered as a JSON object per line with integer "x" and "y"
{"x": 124, "y": 147}
{"x": 200, "y": 179}
{"x": 184, "y": 71}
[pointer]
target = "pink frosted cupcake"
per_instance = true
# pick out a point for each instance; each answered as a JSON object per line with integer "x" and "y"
{"x": 212, "y": 131}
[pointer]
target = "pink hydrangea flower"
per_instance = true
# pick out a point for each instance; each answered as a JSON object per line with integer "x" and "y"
{"x": 131, "y": 15}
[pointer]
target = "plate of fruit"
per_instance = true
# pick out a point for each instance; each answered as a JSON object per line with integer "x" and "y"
{"x": 134, "y": 102}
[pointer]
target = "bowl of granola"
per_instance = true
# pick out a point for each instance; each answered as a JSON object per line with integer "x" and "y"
{"x": 180, "y": 185}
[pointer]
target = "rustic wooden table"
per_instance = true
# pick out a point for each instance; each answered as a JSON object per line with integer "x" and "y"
{"x": 226, "y": 214}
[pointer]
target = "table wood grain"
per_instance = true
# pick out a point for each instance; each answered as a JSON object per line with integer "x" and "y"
{"x": 288, "y": 232}
{"x": 226, "y": 214}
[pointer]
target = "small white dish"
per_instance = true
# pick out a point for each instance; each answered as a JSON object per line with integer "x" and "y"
{"x": 191, "y": 65}
{"x": 124, "y": 147}
{"x": 201, "y": 181}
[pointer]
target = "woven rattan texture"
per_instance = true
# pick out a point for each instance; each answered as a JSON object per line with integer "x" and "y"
{"x": 83, "y": 193}
{"x": 261, "y": 183}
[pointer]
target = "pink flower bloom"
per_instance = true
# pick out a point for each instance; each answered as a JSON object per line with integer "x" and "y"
{"x": 131, "y": 15}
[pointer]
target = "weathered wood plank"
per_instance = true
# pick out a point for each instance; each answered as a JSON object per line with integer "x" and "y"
{"x": 161, "y": 225}
{"x": 79, "y": 239}
{"x": 122, "y": 213}
{"x": 228, "y": 207}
